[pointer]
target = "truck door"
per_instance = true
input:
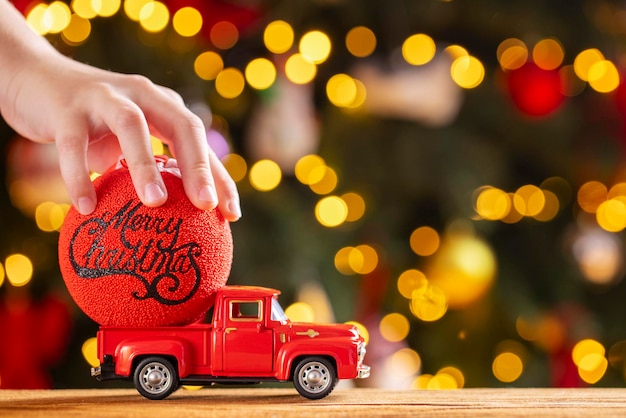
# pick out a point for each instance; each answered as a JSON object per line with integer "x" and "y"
{"x": 248, "y": 345}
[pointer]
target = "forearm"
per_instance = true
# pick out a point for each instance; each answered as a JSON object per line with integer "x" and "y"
{"x": 20, "y": 47}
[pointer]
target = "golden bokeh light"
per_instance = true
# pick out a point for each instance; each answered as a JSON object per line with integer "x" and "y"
{"x": 456, "y": 51}
{"x": 611, "y": 215}
{"x": 331, "y": 211}
{"x": 424, "y": 241}
{"x": 589, "y": 356}
{"x": 107, "y": 8}
{"x": 154, "y": 16}
{"x": 300, "y": 312}
{"x": 550, "y": 208}
{"x": 361, "y": 41}
{"x": 363, "y": 259}
{"x": 132, "y": 8}
{"x": 260, "y": 73}
{"x": 467, "y": 72}
{"x": 492, "y": 203}
{"x": 90, "y": 351}
{"x": 464, "y": 268}
{"x": 306, "y": 169}
{"x": 418, "y": 49}
{"x": 455, "y": 373}
{"x": 341, "y": 90}
{"x": 327, "y": 183}
{"x": 591, "y": 195}
{"x": 187, "y": 21}
{"x": 548, "y": 54}
{"x": 85, "y": 9}
{"x": 429, "y": 303}
{"x": 278, "y": 36}
{"x": 224, "y": 35}
{"x": 265, "y": 175}
{"x": 77, "y": 31}
{"x": 512, "y": 53}
{"x": 229, "y": 83}
{"x": 18, "y": 269}
{"x": 208, "y": 65}
{"x": 410, "y": 280}
{"x": 394, "y": 327}
{"x": 356, "y": 206}
{"x": 405, "y": 362}
{"x": 507, "y": 367}
{"x": 315, "y": 46}
{"x": 49, "y": 216}
{"x": 342, "y": 261}
{"x": 1, "y": 274}
{"x": 529, "y": 200}
{"x": 585, "y": 60}
{"x": 603, "y": 76}
{"x": 299, "y": 70}
{"x": 236, "y": 166}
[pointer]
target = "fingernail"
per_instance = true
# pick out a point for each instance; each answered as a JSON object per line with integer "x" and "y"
{"x": 85, "y": 205}
{"x": 234, "y": 208}
{"x": 153, "y": 193}
{"x": 207, "y": 194}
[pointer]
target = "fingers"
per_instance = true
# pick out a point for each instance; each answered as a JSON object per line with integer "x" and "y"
{"x": 206, "y": 181}
{"x": 126, "y": 120}
{"x": 72, "y": 149}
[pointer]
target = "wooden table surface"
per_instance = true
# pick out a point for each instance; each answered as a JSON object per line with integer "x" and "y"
{"x": 266, "y": 402}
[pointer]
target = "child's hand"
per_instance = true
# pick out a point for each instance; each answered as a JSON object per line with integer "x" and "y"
{"x": 93, "y": 116}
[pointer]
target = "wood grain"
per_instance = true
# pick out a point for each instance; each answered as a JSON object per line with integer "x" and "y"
{"x": 265, "y": 402}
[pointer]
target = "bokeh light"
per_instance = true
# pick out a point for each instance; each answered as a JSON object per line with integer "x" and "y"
{"x": 300, "y": 312}
{"x": 467, "y": 72}
{"x": 224, "y": 35}
{"x": 236, "y": 166}
{"x": 356, "y": 206}
{"x": 18, "y": 269}
{"x": 265, "y": 175}
{"x": 278, "y": 36}
{"x": 410, "y": 280}
{"x": 529, "y": 200}
{"x": 512, "y": 53}
{"x": 405, "y": 362}
{"x": 548, "y": 54}
{"x": 77, "y": 31}
{"x": 394, "y": 327}
{"x": 307, "y": 169}
{"x": 492, "y": 203}
{"x": 361, "y": 41}
{"x": 229, "y": 83}
{"x": 154, "y": 16}
{"x": 591, "y": 195}
{"x": 187, "y": 21}
{"x": 132, "y": 8}
{"x": 603, "y": 76}
{"x": 418, "y": 49}
{"x": 331, "y": 211}
{"x": 327, "y": 183}
{"x": 507, "y": 367}
{"x": 299, "y": 70}
{"x": 341, "y": 90}
{"x": 429, "y": 303}
{"x": 208, "y": 65}
{"x": 260, "y": 73}
{"x": 424, "y": 241}
{"x": 315, "y": 46}
{"x": 585, "y": 60}
{"x": 85, "y": 9}
{"x": 90, "y": 351}
{"x": 589, "y": 356}
{"x": 49, "y": 216}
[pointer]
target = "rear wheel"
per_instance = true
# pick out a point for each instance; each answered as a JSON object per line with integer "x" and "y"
{"x": 314, "y": 377}
{"x": 156, "y": 378}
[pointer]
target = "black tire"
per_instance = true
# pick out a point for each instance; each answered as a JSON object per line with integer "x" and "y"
{"x": 156, "y": 378}
{"x": 314, "y": 377}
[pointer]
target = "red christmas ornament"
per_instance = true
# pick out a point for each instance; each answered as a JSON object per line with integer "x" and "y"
{"x": 127, "y": 264}
{"x": 535, "y": 91}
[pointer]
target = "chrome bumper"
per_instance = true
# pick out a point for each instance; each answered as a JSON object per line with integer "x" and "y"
{"x": 364, "y": 372}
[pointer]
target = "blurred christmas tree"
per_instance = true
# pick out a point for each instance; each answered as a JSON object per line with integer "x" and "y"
{"x": 447, "y": 173}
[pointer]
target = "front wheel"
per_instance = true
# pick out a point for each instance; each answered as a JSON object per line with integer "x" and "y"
{"x": 156, "y": 378}
{"x": 314, "y": 377}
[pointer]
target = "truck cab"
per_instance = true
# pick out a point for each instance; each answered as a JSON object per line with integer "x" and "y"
{"x": 249, "y": 339}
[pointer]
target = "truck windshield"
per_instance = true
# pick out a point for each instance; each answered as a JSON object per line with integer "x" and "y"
{"x": 277, "y": 312}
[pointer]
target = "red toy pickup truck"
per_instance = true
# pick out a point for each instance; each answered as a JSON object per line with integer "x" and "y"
{"x": 250, "y": 340}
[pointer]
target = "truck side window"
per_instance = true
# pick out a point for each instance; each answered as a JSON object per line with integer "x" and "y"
{"x": 245, "y": 310}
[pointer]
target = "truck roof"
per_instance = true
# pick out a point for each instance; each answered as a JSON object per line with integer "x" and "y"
{"x": 248, "y": 291}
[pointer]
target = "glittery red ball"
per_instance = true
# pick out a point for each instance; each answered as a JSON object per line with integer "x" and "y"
{"x": 127, "y": 264}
